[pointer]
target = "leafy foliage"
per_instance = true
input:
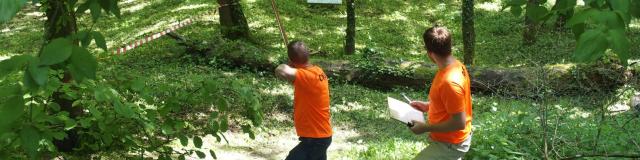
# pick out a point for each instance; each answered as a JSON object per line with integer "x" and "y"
{"x": 117, "y": 117}
{"x": 599, "y": 26}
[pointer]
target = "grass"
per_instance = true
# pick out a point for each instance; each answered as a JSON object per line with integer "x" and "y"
{"x": 504, "y": 128}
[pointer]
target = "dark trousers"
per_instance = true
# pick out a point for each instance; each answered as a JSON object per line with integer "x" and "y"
{"x": 310, "y": 149}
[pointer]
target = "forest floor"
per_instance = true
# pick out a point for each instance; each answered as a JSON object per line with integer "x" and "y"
{"x": 504, "y": 127}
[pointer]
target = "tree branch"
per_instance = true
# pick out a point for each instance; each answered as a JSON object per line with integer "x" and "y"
{"x": 603, "y": 155}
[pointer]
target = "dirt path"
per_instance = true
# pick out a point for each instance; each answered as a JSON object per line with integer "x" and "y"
{"x": 271, "y": 145}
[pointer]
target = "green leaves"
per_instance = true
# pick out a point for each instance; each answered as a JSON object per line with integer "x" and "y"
{"x": 610, "y": 29}
{"x": 591, "y": 46}
{"x": 213, "y": 154}
{"x": 537, "y": 12}
{"x": 39, "y": 74}
{"x": 30, "y": 139}
{"x": 124, "y": 110}
{"x": 201, "y": 154}
{"x": 13, "y": 64}
{"x": 96, "y": 7}
{"x": 9, "y": 8}
{"x": 57, "y": 51}
{"x": 100, "y": 41}
{"x": 620, "y": 44}
{"x": 197, "y": 141}
{"x": 11, "y": 111}
{"x": 82, "y": 64}
{"x": 620, "y": 5}
{"x": 183, "y": 140}
{"x": 224, "y": 125}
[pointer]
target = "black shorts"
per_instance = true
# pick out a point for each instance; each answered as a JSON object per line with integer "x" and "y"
{"x": 310, "y": 149}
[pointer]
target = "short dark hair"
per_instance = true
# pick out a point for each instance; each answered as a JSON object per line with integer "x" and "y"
{"x": 437, "y": 40}
{"x": 298, "y": 52}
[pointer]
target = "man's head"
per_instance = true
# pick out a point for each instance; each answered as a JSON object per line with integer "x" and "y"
{"x": 437, "y": 41}
{"x": 298, "y": 53}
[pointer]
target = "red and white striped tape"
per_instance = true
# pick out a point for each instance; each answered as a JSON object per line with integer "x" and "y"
{"x": 152, "y": 37}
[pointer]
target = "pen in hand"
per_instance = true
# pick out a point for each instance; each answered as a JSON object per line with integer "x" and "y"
{"x": 406, "y": 98}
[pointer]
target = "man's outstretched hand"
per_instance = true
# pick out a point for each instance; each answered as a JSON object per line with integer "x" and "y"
{"x": 419, "y": 105}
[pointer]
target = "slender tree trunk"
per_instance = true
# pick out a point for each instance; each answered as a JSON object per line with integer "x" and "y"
{"x": 468, "y": 31}
{"x": 233, "y": 23}
{"x": 530, "y": 26}
{"x": 563, "y": 15}
{"x": 350, "y": 42}
{"x": 61, "y": 22}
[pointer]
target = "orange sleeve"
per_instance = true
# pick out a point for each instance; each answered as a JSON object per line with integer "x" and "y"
{"x": 299, "y": 77}
{"x": 453, "y": 97}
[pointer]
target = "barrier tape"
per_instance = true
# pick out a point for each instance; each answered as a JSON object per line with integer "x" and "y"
{"x": 147, "y": 39}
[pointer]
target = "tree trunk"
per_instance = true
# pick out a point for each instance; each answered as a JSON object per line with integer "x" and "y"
{"x": 233, "y": 23}
{"x": 563, "y": 14}
{"x": 61, "y": 22}
{"x": 530, "y": 26}
{"x": 350, "y": 43}
{"x": 468, "y": 31}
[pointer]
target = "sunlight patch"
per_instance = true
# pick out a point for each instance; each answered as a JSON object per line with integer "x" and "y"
{"x": 489, "y": 6}
{"x": 136, "y": 7}
{"x": 575, "y": 113}
{"x": 34, "y": 14}
{"x": 189, "y": 7}
{"x": 635, "y": 24}
{"x": 396, "y": 16}
{"x": 349, "y": 106}
{"x": 282, "y": 89}
{"x": 6, "y": 56}
{"x": 618, "y": 107}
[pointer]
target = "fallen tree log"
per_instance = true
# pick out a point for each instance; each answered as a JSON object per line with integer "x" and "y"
{"x": 385, "y": 75}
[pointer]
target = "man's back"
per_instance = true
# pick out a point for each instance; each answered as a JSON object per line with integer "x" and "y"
{"x": 311, "y": 114}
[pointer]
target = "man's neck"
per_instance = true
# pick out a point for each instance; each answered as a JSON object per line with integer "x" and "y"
{"x": 301, "y": 65}
{"x": 444, "y": 62}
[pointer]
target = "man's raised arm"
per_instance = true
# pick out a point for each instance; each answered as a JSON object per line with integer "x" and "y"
{"x": 286, "y": 72}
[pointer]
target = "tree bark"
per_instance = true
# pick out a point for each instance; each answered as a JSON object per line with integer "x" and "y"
{"x": 350, "y": 42}
{"x": 468, "y": 31}
{"x": 232, "y": 20}
{"x": 530, "y": 26}
{"x": 61, "y": 22}
{"x": 563, "y": 14}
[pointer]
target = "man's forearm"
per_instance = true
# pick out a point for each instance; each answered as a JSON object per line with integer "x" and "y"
{"x": 446, "y": 126}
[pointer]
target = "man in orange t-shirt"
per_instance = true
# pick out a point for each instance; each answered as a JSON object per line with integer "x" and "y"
{"x": 311, "y": 116}
{"x": 449, "y": 106}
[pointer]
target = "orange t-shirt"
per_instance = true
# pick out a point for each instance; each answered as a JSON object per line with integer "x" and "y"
{"x": 311, "y": 116}
{"x": 450, "y": 93}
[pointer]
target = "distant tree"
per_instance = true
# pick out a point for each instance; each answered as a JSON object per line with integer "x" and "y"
{"x": 350, "y": 42}
{"x": 564, "y": 11}
{"x": 61, "y": 23}
{"x": 598, "y": 26}
{"x": 530, "y": 22}
{"x": 468, "y": 31}
{"x": 234, "y": 24}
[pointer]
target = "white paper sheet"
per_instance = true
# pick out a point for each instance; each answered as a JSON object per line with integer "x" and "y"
{"x": 404, "y": 112}
{"x": 325, "y": 1}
